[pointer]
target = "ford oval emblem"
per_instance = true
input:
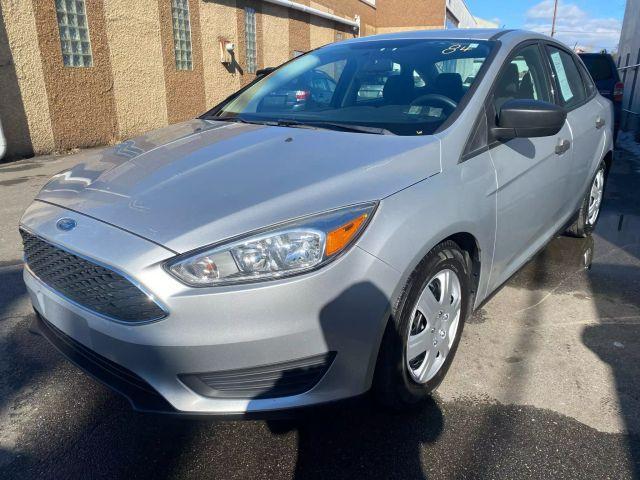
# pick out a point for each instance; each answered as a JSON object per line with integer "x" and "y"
{"x": 66, "y": 224}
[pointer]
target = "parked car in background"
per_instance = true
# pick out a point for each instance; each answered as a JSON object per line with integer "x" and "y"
{"x": 279, "y": 254}
{"x": 605, "y": 74}
{"x": 315, "y": 86}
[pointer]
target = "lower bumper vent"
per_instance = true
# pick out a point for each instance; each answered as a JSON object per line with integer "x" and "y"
{"x": 266, "y": 381}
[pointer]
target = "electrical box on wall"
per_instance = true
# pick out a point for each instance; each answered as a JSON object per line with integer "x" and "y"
{"x": 226, "y": 50}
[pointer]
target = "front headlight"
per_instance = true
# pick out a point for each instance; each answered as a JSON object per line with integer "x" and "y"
{"x": 279, "y": 251}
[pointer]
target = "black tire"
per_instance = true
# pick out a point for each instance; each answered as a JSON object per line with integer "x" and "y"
{"x": 581, "y": 227}
{"x": 393, "y": 385}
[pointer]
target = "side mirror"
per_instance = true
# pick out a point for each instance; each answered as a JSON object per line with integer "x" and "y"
{"x": 528, "y": 118}
{"x": 264, "y": 71}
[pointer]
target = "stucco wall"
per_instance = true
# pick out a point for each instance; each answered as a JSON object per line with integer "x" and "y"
{"x": 133, "y": 32}
{"x": 81, "y": 102}
{"x": 406, "y": 29}
{"x": 185, "y": 88}
{"x": 322, "y": 30}
{"x": 299, "y": 32}
{"x": 410, "y": 13}
{"x": 24, "y": 107}
{"x": 241, "y": 48}
{"x": 275, "y": 20}
{"x": 218, "y": 20}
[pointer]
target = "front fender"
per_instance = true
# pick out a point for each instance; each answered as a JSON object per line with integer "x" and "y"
{"x": 408, "y": 224}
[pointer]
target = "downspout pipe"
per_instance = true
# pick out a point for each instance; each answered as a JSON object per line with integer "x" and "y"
{"x": 318, "y": 13}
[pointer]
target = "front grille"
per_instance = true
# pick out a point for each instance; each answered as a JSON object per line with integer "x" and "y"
{"x": 265, "y": 381}
{"x": 91, "y": 286}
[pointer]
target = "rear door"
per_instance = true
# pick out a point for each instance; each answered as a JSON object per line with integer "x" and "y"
{"x": 585, "y": 116}
{"x": 532, "y": 173}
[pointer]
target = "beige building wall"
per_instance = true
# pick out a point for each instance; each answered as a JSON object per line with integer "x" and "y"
{"x": 24, "y": 107}
{"x": 406, "y": 29}
{"x": 275, "y": 20}
{"x": 218, "y": 20}
{"x": 133, "y": 33}
{"x": 185, "y": 88}
{"x": 322, "y": 31}
{"x": 133, "y": 85}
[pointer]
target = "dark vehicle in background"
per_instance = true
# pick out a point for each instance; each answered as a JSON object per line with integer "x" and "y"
{"x": 604, "y": 72}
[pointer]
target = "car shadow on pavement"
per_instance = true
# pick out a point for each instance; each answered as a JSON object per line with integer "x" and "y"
{"x": 616, "y": 338}
{"x": 611, "y": 288}
{"x": 362, "y": 441}
{"x": 22, "y": 360}
{"x": 359, "y": 438}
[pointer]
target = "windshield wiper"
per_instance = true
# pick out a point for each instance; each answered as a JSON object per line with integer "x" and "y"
{"x": 235, "y": 120}
{"x": 313, "y": 124}
{"x": 345, "y": 127}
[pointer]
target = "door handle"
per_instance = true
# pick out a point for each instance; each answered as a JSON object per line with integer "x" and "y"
{"x": 600, "y": 122}
{"x": 562, "y": 146}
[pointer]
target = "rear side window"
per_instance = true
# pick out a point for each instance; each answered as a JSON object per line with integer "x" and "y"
{"x": 599, "y": 67}
{"x": 571, "y": 90}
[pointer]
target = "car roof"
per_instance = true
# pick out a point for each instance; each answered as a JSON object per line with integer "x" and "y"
{"x": 505, "y": 35}
{"x": 595, "y": 54}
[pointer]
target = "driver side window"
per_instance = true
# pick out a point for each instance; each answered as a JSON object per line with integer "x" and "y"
{"x": 523, "y": 77}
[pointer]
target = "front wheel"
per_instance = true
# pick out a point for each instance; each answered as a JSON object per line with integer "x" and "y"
{"x": 590, "y": 208}
{"x": 422, "y": 338}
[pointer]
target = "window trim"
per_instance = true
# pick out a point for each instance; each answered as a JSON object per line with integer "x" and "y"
{"x": 556, "y": 86}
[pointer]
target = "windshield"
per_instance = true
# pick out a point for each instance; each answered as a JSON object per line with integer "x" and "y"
{"x": 404, "y": 87}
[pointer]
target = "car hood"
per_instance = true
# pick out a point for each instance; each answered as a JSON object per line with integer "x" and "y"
{"x": 201, "y": 181}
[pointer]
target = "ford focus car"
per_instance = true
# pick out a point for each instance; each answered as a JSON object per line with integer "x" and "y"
{"x": 273, "y": 255}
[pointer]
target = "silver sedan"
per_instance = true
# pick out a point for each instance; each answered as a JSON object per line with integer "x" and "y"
{"x": 271, "y": 256}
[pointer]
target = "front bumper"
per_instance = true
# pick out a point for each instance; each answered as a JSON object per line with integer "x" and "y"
{"x": 340, "y": 310}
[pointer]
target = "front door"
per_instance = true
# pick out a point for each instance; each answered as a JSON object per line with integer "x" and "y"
{"x": 532, "y": 173}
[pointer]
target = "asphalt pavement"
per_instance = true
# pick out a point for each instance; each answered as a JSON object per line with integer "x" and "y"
{"x": 546, "y": 382}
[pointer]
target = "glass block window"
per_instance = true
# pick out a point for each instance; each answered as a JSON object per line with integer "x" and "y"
{"x": 182, "y": 34}
{"x": 250, "y": 37}
{"x": 74, "y": 33}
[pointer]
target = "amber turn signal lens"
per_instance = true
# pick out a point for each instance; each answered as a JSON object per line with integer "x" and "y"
{"x": 340, "y": 237}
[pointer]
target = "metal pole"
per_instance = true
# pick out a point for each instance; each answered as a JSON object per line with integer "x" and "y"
{"x": 553, "y": 22}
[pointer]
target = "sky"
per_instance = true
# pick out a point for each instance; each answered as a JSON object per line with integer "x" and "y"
{"x": 591, "y": 24}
